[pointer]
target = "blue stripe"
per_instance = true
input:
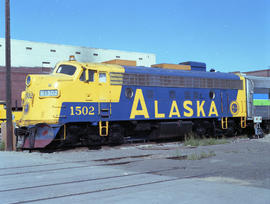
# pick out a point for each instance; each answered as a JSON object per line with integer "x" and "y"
{"x": 261, "y": 96}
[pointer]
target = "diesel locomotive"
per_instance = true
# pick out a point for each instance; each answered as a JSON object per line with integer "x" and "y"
{"x": 96, "y": 103}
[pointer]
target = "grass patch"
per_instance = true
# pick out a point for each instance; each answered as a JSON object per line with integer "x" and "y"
{"x": 194, "y": 156}
{"x": 178, "y": 157}
{"x": 202, "y": 155}
{"x": 242, "y": 137}
{"x": 204, "y": 141}
{"x": 2, "y": 146}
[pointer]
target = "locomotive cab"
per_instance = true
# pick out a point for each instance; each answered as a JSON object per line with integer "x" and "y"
{"x": 73, "y": 91}
{"x": 44, "y": 93}
{"x": 90, "y": 81}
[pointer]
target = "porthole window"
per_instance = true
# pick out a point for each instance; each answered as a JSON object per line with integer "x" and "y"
{"x": 187, "y": 95}
{"x": 150, "y": 94}
{"x": 172, "y": 94}
{"x": 129, "y": 92}
{"x": 212, "y": 95}
{"x": 195, "y": 95}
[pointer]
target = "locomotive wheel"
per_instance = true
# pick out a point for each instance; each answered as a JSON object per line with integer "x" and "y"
{"x": 202, "y": 129}
{"x": 94, "y": 142}
{"x": 116, "y": 139}
{"x": 116, "y": 136}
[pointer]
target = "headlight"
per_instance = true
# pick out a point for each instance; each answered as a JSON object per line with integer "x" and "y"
{"x": 48, "y": 93}
{"x": 28, "y": 81}
{"x": 26, "y": 108}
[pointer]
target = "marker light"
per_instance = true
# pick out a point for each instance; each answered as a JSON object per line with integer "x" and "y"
{"x": 72, "y": 58}
{"x": 26, "y": 108}
{"x": 28, "y": 81}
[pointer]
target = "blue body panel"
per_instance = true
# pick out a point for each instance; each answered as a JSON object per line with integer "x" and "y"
{"x": 167, "y": 102}
{"x": 162, "y": 96}
{"x": 122, "y": 111}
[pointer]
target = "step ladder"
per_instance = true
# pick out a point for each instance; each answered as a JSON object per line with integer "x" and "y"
{"x": 104, "y": 110}
{"x": 243, "y": 122}
{"x": 224, "y": 123}
{"x": 103, "y": 128}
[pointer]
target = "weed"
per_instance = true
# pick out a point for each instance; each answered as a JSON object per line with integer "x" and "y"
{"x": 203, "y": 155}
{"x": 189, "y": 135}
{"x": 2, "y": 146}
{"x": 204, "y": 141}
{"x": 179, "y": 157}
{"x": 193, "y": 156}
{"x": 242, "y": 137}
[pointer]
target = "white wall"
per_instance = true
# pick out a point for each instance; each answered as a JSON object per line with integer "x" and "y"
{"x": 36, "y": 54}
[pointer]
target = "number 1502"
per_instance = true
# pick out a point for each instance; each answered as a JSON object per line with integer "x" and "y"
{"x": 82, "y": 110}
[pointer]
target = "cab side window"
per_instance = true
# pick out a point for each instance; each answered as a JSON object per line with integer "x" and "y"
{"x": 82, "y": 77}
{"x": 91, "y": 75}
{"x": 102, "y": 77}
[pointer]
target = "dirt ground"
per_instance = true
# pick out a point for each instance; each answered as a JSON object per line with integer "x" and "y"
{"x": 243, "y": 161}
{"x": 235, "y": 172}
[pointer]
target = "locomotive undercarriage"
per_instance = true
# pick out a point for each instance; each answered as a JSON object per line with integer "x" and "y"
{"x": 87, "y": 134}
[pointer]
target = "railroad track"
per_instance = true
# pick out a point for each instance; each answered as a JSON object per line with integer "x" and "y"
{"x": 93, "y": 184}
{"x": 103, "y": 189}
{"x": 92, "y": 179}
{"x": 73, "y": 162}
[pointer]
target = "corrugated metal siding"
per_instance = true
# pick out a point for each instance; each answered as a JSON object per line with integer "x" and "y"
{"x": 260, "y": 82}
{"x": 260, "y": 73}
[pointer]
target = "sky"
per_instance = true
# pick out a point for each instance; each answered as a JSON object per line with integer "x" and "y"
{"x": 228, "y": 35}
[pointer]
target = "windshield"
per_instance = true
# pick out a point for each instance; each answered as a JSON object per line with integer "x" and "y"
{"x": 66, "y": 69}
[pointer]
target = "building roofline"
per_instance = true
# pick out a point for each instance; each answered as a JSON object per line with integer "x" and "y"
{"x": 261, "y": 70}
{"x": 73, "y": 46}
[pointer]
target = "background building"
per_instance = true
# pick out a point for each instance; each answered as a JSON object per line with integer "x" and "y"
{"x": 260, "y": 73}
{"x": 36, "y": 58}
{"x": 36, "y": 54}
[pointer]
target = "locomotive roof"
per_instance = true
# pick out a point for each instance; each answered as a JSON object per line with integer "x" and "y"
{"x": 183, "y": 73}
{"x": 163, "y": 72}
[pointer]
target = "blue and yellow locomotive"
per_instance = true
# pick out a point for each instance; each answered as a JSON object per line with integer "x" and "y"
{"x": 93, "y": 104}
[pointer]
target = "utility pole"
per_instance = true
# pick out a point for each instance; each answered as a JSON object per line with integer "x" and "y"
{"x": 9, "y": 141}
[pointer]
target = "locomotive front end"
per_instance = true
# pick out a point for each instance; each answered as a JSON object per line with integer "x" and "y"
{"x": 42, "y": 102}
{"x": 39, "y": 99}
